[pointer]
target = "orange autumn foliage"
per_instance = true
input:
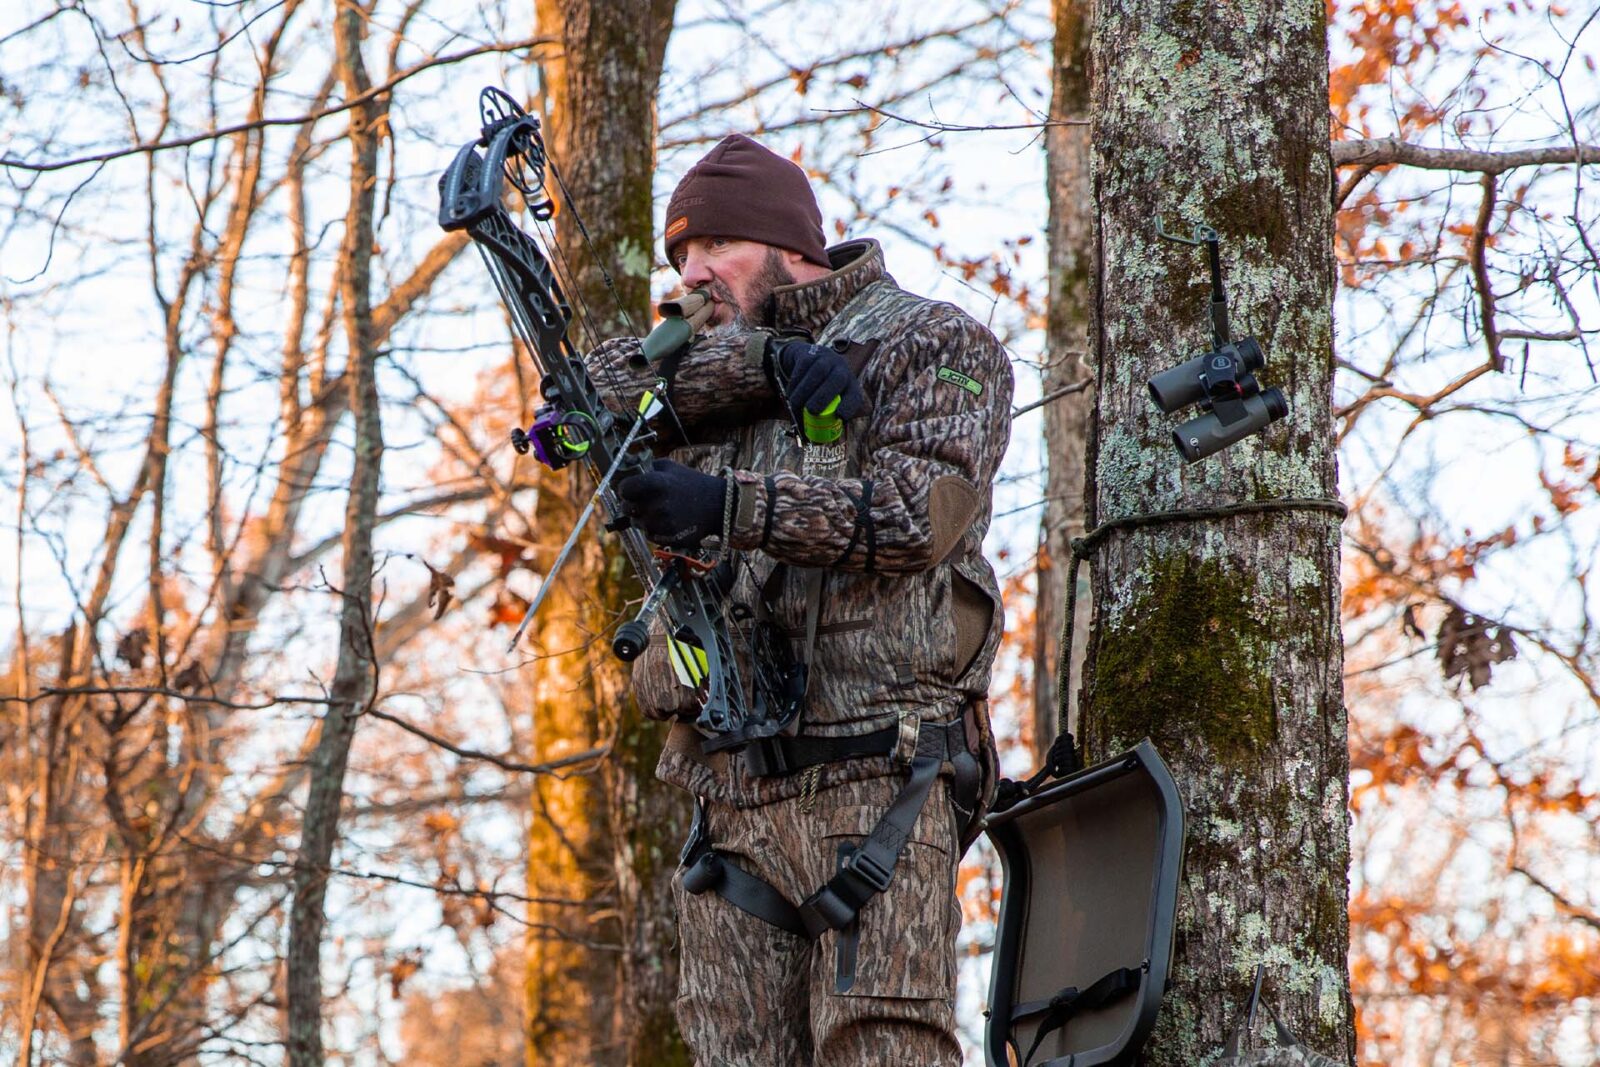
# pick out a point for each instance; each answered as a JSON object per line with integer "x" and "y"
{"x": 1385, "y": 36}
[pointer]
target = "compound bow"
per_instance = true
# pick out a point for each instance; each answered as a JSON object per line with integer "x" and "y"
{"x": 574, "y": 424}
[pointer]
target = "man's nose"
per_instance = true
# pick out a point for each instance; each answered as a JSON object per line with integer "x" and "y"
{"x": 695, "y": 273}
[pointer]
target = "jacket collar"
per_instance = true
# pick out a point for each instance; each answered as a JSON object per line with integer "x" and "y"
{"x": 810, "y": 306}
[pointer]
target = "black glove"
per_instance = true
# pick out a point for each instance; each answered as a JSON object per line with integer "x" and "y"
{"x": 813, "y": 375}
{"x": 674, "y": 505}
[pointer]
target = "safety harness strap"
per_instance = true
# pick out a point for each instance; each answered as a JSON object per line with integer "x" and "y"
{"x": 743, "y": 890}
{"x": 869, "y": 867}
{"x": 769, "y": 756}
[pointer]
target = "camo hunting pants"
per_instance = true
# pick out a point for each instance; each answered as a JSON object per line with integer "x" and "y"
{"x": 879, "y": 993}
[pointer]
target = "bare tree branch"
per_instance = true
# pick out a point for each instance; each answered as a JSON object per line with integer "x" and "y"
{"x": 499, "y": 761}
{"x": 1567, "y": 907}
{"x": 1385, "y": 151}
{"x": 947, "y": 127}
{"x": 227, "y": 131}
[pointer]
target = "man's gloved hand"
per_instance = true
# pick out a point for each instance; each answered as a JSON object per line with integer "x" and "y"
{"x": 813, "y": 375}
{"x": 674, "y": 505}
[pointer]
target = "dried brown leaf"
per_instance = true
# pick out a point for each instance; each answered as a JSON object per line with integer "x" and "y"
{"x": 1471, "y": 645}
{"x": 440, "y": 585}
{"x": 132, "y": 647}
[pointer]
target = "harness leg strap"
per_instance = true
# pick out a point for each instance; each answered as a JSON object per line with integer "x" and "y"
{"x": 704, "y": 870}
{"x": 752, "y": 895}
{"x": 866, "y": 873}
{"x": 871, "y": 866}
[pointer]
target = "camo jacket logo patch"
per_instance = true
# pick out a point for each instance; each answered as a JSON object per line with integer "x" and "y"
{"x": 954, "y": 377}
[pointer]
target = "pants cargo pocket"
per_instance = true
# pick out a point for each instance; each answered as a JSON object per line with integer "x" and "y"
{"x": 902, "y": 943}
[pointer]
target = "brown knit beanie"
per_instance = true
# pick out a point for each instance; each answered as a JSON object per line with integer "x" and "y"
{"x": 745, "y": 191}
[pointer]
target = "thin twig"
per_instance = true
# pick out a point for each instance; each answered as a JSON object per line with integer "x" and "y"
{"x": 296, "y": 120}
{"x": 947, "y": 127}
{"x": 1567, "y": 907}
{"x": 1076, "y": 387}
{"x": 499, "y": 761}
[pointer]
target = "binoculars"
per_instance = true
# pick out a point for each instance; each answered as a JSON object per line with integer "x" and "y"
{"x": 1232, "y": 402}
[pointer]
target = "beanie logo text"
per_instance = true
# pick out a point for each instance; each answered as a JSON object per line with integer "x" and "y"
{"x": 677, "y": 226}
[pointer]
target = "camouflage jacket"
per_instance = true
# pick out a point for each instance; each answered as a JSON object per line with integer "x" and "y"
{"x": 910, "y": 613}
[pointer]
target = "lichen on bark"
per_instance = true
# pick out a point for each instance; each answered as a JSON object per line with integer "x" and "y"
{"x": 1218, "y": 636}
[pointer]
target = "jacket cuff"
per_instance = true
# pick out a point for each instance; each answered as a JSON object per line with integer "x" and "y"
{"x": 755, "y": 350}
{"x": 752, "y": 514}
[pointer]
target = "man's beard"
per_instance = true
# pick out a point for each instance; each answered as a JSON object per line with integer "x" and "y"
{"x": 772, "y": 275}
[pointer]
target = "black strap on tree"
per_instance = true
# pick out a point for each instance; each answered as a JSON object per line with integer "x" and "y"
{"x": 1063, "y": 757}
{"x": 1241, "y": 1034}
{"x": 1060, "y": 1009}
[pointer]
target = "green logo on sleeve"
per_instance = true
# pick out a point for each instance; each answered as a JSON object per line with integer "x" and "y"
{"x": 971, "y": 385}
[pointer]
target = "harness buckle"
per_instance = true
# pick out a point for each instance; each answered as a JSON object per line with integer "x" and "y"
{"x": 870, "y": 870}
{"x": 766, "y": 757}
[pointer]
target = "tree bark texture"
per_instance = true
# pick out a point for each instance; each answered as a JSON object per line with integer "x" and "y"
{"x": 354, "y": 679}
{"x": 602, "y": 977}
{"x": 1066, "y": 419}
{"x": 1219, "y": 637}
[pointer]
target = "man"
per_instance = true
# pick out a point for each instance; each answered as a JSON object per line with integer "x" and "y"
{"x": 816, "y": 903}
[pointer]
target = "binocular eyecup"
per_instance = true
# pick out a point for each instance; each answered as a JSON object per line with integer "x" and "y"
{"x": 1191, "y": 382}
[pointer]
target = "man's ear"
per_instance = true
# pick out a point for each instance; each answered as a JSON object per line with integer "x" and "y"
{"x": 800, "y": 268}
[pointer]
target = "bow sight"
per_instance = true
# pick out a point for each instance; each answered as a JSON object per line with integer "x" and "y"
{"x": 1221, "y": 381}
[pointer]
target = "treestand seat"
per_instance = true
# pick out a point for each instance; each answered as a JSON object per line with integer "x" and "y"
{"x": 1087, "y": 912}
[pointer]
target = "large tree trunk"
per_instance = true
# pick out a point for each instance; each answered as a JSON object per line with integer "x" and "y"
{"x": 601, "y": 975}
{"x": 354, "y": 678}
{"x": 1219, "y": 636}
{"x": 1066, "y": 419}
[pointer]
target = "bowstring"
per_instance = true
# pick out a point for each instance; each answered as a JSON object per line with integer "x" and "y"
{"x": 611, "y": 286}
{"x": 588, "y": 241}
{"x": 524, "y": 169}
{"x": 758, "y": 677}
{"x": 567, "y": 274}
